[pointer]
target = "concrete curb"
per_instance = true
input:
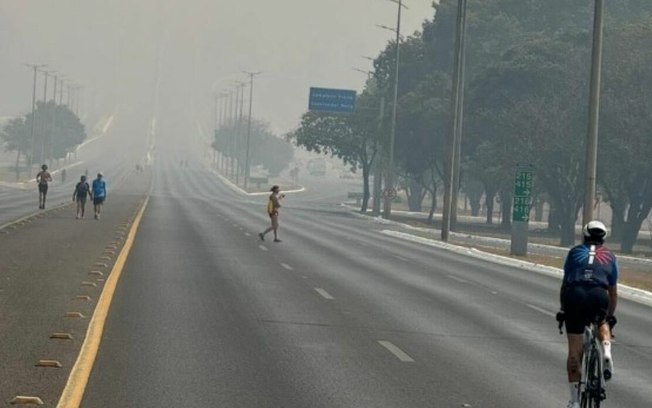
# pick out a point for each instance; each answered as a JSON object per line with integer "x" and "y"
{"x": 637, "y": 295}
{"x": 239, "y": 190}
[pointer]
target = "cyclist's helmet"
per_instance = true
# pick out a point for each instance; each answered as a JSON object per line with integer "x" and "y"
{"x": 595, "y": 229}
{"x": 44, "y": 167}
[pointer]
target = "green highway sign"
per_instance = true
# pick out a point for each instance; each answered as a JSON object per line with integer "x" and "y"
{"x": 522, "y": 194}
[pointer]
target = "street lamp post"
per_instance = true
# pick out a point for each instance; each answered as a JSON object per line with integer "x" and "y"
{"x": 35, "y": 67}
{"x": 594, "y": 113}
{"x": 449, "y": 212}
{"x": 389, "y": 182}
{"x": 252, "y": 75}
{"x": 46, "y": 74}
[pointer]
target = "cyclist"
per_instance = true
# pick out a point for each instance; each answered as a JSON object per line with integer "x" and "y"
{"x": 43, "y": 178}
{"x": 588, "y": 293}
{"x": 99, "y": 194}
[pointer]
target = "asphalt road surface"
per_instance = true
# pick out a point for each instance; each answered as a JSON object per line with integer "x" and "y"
{"x": 126, "y": 135}
{"x": 337, "y": 315}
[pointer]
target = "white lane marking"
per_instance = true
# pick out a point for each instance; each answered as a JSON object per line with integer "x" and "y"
{"x": 493, "y": 292}
{"x": 400, "y": 258}
{"x": 540, "y": 310}
{"x": 247, "y": 234}
{"x": 324, "y": 294}
{"x": 455, "y": 278}
{"x": 263, "y": 248}
{"x": 286, "y": 266}
{"x": 398, "y": 353}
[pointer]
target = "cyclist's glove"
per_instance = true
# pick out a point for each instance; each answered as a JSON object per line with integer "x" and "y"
{"x": 561, "y": 317}
{"x": 611, "y": 321}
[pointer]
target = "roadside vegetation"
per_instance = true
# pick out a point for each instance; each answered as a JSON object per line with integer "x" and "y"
{"x": 526, "y": 101}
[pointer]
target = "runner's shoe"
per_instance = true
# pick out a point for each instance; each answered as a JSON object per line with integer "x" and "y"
{"x": 573, "y": 404}
{"x": 277, "y": 240}
{"x": 262, "y": 236}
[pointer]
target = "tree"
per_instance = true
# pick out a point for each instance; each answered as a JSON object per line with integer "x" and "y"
{"x": 353, "y": 138}
{"x": 625, "y": 149}
{"x": 57, "y": 132}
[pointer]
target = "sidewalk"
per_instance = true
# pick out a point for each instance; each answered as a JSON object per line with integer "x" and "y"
{"x": 50, "y": 267}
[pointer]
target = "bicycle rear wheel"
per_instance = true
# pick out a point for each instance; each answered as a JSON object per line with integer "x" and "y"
{"x": 592, "y": 394}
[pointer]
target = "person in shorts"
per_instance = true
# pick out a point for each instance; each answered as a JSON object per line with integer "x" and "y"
{"x": 588, "y": 294}
{"x": 43, "y": 178}
{"x": 273, "y": 204}
{"x": 99, "y": 194}
{"x": 82, "y": 191}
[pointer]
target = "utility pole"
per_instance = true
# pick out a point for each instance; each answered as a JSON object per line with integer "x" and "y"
{"x": 35, "y": 67}
{"x": 449, "y": 214}
{"x": 389, "y": 182}
{"x": 594, "y": 112}
{"x": 252, "y": 75}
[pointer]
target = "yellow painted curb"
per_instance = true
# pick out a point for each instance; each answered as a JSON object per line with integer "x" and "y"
{"x": 74, "y": 391}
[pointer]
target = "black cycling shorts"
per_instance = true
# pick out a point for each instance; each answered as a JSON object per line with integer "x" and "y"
{"x": 584, "y": 305}
{"x": 43, "y": 188}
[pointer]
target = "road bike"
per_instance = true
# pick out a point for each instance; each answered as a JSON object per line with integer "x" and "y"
{"x": 592, "y": 389}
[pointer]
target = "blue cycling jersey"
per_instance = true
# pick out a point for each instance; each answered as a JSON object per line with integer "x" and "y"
{"x": 591, "y": 265}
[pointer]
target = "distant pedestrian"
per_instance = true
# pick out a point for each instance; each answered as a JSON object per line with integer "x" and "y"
{"x": 99, "y": 194}
{"x": 63, "y": 176}
{"x": 273, "y": 204}
{"x": 43, "y": 178}
{"x": 82, "y": 191}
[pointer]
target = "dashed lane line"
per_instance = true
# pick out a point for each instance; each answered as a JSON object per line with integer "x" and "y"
{"x": 455, "y": 278}
{"x": 286, "y": 266}
{"x": 397, "y": 352}
{"x": 247, "y": 234}
{"x": 263, "y": 248}
{"x": 541, "y": 310}
{"x": 324, "y": 294}
{"x": 400, "y": 258}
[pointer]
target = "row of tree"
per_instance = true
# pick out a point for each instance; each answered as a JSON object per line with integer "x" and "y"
{"x": 56, "y": 132}
{"x": 266, "y": 149}
{"x": 526, "y": 101}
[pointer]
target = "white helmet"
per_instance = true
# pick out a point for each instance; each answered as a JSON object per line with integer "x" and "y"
{"x": 595, "y": 229}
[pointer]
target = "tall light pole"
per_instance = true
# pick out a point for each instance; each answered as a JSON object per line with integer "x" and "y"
{"x": 389, "y": 182}
{"x": 457, "y": 112}
{"x": 35, "y": 67}
{"x": 594, "y": 112}
{"x": 239, "y": 108}
{"x": 252, "y": 75}
{"x": 45, "y": 73}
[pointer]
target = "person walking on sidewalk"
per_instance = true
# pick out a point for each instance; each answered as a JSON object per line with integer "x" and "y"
{"x": 43, "y": 178}
{"x": 273, "y": 204}
{"x": 82, "y": 190}
{"x": 99, "y": 194}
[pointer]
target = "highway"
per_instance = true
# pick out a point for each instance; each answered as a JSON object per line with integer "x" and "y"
{"x": 337, "y": 315}
{"x": 126, "y": 135}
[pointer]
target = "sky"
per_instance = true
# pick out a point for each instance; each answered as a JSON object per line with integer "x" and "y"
{"x": 120, "y": 49}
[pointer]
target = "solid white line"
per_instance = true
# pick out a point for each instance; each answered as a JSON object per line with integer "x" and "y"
{"x": 455, "y": 278}
{"x": 400, "y": 354}
{"x": 324, "y": 294}
{"x": 286, "y": 266}
{"x": 540, "y": 310}
{"x": 263, "y": 248}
